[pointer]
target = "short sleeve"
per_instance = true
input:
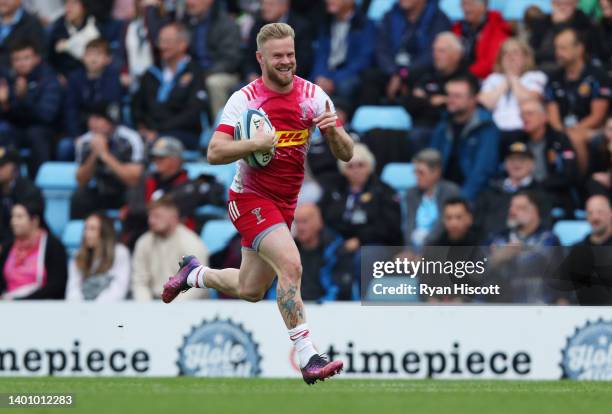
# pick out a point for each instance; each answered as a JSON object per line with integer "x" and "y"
{"x": 81, "y": 151}
{"x": 601, "y": 89}
{"x": 233, "y": 110}
{"x": 534, "y": 81}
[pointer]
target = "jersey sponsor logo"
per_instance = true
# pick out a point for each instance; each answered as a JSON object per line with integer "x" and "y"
{"x": 291, "y": 138}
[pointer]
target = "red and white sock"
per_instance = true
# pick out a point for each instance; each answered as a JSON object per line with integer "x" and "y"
{"x": 196, "y": 277}
{"x": 300, "y": 336}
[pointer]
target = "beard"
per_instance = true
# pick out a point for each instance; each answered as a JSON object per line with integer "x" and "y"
{"x": 599, "y": 229}
{"x": 279, "y": 79}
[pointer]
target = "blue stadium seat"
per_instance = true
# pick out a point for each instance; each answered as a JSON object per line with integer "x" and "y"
{"x": 195, "y": 155}
{"x": 389, "y": 117}
{"x": 378, "y": 8}
{"x": 399, "y": 175}
{"x": 224, "y": 173}
{"x": 571, "y": 231}
{"x": 497, "y": 5}
{"x": 57, "y": 180}
{"x": 71, "y": 238}
{"x": 515, "y": 9}
{"x": 580, "y": 214}
{"x": 452, "y": 8}
{"x": 216, "y": 234}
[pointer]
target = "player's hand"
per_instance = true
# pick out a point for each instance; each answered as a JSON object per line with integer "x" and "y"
{"x": 327, "y": 119}
{"x": 263, "y": 141}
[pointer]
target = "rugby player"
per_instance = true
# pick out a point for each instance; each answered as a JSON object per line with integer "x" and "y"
{"x": 262, "y": 201}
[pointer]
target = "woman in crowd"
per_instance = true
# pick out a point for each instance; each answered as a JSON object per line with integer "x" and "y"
{"x": 138, "y": 43}
{"x": 69, "y": 35}
{"x": 514, "y": 79}
{"x": 100, "y": 270}
{"x": 34, "y": 266}
{"x": 363, "y": 209}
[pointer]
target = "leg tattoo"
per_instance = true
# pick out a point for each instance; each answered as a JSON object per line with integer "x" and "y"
{"x": 290, "y": 304}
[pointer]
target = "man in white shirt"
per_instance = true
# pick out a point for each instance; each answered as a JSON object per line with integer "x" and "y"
{"x": 156, "y": 252}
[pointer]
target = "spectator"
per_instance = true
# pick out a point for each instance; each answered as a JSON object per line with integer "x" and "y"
{"x": 514, "y": 80}
{"x": 426, "y": 98}
{"x": 578, "y": 94}
{"x": 45, "y": 10}
{"x": 565, "y": 15}
{"x": 34, "y": 266}
{"x": 170, "y": 178}
{"x": 344, "y": 49}
{"x": 97, "y": 81}
{"x": 588, "y": 267}
{"x": 30, "y": 102}
{"x": 426, "y": 199}
{"x": 156, "y": 252}
{"x": 13, "y": 190}
{"x": 493, "y": 204}
{"x": 110, "y": 161}
{"x": 172, "y": 97}
{"x": 404, "y": 45}
{"x": 138, "y": 44}
{"x": 458, "y": 222}
{"x": 100, "y": 270}
{"x": 273, "y": 11}
{"x": 18, "y": 26}
{"x": 458, "y": 242}
{"x": 70, "y": 34}
{"x": 482, "y": 33}
{"x": 215, "y": 45}
{"x": 327, "y": 269}
{"x": 600, "y": 163}
{"x": 467, "y": 138}
{"x": 556, "y": 169}
{"x": 521, "y": 257}
{"x": 220, "y": 56}
{"x": 361, "y": 208}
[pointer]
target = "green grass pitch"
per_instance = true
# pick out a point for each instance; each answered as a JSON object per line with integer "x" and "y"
{"x": 268, "y": 396}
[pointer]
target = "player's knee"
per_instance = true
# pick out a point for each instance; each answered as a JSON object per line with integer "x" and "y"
{"x": 291, "y": 269}
{"x": 250, "y": 294}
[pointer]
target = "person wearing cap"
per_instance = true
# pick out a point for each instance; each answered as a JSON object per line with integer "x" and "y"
{"x": 169, "y": 178}
{"x": 555, "y": 161}
{"x": 13, "y": 189}
{"x": 492, "y": 205}
{"x": 166, "y": 155}
{"x": 110, "y": 159}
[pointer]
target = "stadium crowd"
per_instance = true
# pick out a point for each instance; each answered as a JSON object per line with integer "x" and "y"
{"x": 511, "y": 132}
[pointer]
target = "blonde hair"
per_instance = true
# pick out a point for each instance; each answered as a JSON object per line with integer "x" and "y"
{"x": 273, "y": 31}
{"x": 360, "y": 152}
{"x": 525, "y": 48}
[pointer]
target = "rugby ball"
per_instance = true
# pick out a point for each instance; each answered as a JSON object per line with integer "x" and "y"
{"x": 246, "y": 128}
